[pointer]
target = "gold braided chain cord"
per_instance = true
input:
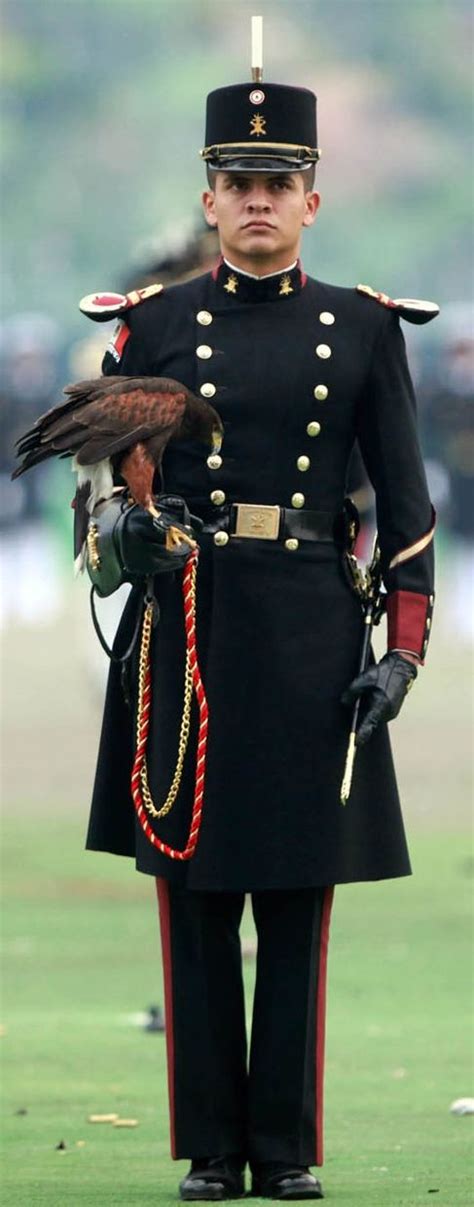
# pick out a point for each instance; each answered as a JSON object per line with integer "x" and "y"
{"x": 185, "y": 720}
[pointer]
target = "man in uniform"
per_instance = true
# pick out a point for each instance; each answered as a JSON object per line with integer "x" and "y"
{"x": 298, "y": 370}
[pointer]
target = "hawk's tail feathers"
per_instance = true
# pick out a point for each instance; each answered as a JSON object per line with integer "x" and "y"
{"x": 94, "y": 484}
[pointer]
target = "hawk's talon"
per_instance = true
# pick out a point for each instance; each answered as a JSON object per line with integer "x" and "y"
{"x": 175, "y": 537}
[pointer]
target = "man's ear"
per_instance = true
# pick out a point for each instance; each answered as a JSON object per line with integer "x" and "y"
{"x": 312, "y": 201}
{"x": 208, "y": 204}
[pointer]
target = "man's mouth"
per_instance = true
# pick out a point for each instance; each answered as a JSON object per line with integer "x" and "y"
{"x": 256, "y": 225}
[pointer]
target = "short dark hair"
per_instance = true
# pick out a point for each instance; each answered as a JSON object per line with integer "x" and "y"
{"x": 309, "y": 177}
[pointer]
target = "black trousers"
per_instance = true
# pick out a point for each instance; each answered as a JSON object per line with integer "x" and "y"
{"x": 270, "y": 1109}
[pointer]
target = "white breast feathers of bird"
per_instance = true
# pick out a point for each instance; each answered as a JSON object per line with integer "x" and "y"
{"x": 100, "y": 478}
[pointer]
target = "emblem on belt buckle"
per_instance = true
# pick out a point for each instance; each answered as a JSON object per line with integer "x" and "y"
{"x": 257, "y": 521}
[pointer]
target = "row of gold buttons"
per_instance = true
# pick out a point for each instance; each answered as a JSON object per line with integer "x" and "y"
{"x": 324, "y": 352}
{"x": 214, "y": 461}
{"x": 208, "y": 390}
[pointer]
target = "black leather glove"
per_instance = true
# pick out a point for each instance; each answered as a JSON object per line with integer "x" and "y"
{"x": 140, "y": 540}
{"x": 385, "y": 687}
{"x": 126, "y": 543}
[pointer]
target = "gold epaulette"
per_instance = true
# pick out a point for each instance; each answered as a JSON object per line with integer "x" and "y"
{"x": 102, "y": 307}
{"x": 414, "y": 310}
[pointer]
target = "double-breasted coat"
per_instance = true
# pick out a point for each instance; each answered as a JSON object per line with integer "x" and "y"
{"x": 298, "y": 370}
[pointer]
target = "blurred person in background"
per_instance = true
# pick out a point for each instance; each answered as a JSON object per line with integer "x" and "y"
{"x": 182, "y": 252}
{"x": 29, "y": 572}
{"x": 448, "y": 413}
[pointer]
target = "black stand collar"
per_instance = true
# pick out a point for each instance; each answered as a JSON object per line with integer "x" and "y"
{"x": 279, "y": 286}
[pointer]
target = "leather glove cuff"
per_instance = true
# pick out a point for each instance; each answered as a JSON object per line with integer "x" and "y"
{"x": 126, "y": 543}
{"x": 383, "y": 689}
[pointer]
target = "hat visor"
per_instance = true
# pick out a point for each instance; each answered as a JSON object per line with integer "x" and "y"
{"x": 253, "y": 163}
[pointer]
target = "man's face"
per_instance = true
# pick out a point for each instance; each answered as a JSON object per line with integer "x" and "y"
{"x": 260, "y": 217}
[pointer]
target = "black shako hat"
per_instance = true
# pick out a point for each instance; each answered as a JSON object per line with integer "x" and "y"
{"x": 259, "y": 127}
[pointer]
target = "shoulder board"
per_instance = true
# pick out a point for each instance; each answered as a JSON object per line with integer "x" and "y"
{"x": 412, "y": 309}
{"x": 105, "y": 306}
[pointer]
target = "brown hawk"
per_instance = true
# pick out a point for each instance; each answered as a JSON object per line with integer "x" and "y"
{"x": 117, "y": 425}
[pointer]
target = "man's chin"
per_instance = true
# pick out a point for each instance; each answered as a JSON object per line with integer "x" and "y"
{"x": 260, "y": 238}
{"x": 258, "y": 244}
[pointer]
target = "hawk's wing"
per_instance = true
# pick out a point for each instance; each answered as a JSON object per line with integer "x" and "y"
{"x": 104, "y": 417}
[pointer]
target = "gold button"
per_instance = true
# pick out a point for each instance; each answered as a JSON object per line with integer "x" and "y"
{"x": 313, "y": 428}
{"x": 431, "y": 600}
{"x": 291, "y": 543}
{"x": 428, "y": 623}
{"x": 303, "y": 463}
{"x": 322, "y": 350}
{"x": 321, "y": 393}
{"x": 207, "y": 389}
{"x": 221, "y": 538}
{"x": 204, "y": 318}
{"x": 327, "y": 318}
{"x": 217, "y": 497}
{"x": 297, "y": 500}
{"x": 204, "y": 351}
{"x": 214, "y": 461}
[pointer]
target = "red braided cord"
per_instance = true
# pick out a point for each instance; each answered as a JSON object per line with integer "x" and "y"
{"x": 196, "y": 816}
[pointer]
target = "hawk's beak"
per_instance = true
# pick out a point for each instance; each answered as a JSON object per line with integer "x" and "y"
{"x": 216, "y": 440}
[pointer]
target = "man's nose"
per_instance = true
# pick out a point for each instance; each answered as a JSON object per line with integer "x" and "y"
{"x": 258, "y": 199}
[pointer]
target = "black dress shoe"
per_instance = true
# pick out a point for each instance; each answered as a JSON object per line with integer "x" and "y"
{"x": 213, "y": 1178}
{"x": 276, "y": 1180}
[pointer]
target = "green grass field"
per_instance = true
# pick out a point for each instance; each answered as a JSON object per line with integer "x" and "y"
{"x": 81, "y": 959}
{"x": 84, "y": 958}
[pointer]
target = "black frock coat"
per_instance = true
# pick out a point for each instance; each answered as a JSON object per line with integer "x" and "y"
{"x": 296, "y": 368}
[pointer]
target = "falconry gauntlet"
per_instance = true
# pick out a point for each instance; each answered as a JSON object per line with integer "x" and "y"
{"x": 126, "y": 543}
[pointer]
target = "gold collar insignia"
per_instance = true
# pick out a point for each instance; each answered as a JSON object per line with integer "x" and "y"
{"x": 232, "y": 284}
{"x": 285, "y": 286}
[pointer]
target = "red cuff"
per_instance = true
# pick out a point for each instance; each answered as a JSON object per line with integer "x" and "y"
{"x": 407, "y": 615}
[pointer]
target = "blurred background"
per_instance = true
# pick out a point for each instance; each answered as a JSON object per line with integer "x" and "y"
{"x": 103, "y": 118}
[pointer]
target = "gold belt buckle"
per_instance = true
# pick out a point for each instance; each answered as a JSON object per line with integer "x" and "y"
{"x": 261, "y": 521}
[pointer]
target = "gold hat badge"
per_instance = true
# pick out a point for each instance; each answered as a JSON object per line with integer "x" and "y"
{"x": 258, "y": 124}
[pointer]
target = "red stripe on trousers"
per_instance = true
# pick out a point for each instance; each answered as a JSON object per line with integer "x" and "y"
{"x": 162, "y": 888}
{"x": 321, "y": 1020}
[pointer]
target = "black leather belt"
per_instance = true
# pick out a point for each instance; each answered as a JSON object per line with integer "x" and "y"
{"x": 271, "y": 523}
